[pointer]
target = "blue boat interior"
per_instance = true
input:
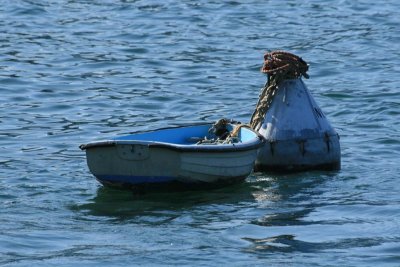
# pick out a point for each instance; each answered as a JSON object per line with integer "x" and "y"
{"x": 184, "y": 135}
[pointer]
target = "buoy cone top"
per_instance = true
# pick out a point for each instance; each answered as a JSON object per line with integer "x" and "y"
{"x": 298, "y": 134}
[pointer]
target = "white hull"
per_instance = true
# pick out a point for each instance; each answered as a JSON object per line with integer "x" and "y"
{"x": 161, "y": 165}
{"x": 169, "y": 156}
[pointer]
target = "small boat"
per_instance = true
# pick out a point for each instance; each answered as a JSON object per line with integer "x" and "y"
{"x": 187, "y": 156}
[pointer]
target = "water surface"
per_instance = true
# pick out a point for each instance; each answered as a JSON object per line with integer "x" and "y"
{"x": 75, "y": 71}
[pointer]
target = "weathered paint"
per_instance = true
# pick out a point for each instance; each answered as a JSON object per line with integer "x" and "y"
{"x": 298, "y": 134}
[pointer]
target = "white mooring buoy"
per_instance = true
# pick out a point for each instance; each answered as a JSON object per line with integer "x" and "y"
{"x": 299, "y": 136}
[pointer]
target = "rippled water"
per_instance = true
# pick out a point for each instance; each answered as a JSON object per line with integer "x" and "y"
{"x": 74, "y": 71}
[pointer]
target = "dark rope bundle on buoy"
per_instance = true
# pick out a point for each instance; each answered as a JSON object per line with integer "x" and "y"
{"x": 279, "y": 66}
{"x": 285, "y": 64}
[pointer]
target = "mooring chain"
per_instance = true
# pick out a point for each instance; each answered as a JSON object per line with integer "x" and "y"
{"x": 279, "y": 66}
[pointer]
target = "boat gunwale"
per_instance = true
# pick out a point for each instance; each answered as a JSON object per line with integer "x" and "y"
{"x": 254, "y": 143}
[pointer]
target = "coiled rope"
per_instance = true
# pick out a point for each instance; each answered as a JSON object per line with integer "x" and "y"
{"x": 220, "y": 133}
{"x": 279, "y": 66}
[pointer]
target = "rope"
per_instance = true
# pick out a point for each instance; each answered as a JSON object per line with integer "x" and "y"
{"x": 221, "y": 135}
{"x": 236, "y": 130}
{"x": 279, "y": 66}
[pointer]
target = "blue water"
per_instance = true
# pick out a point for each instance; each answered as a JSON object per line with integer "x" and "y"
{"x": 74, "y": 71}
